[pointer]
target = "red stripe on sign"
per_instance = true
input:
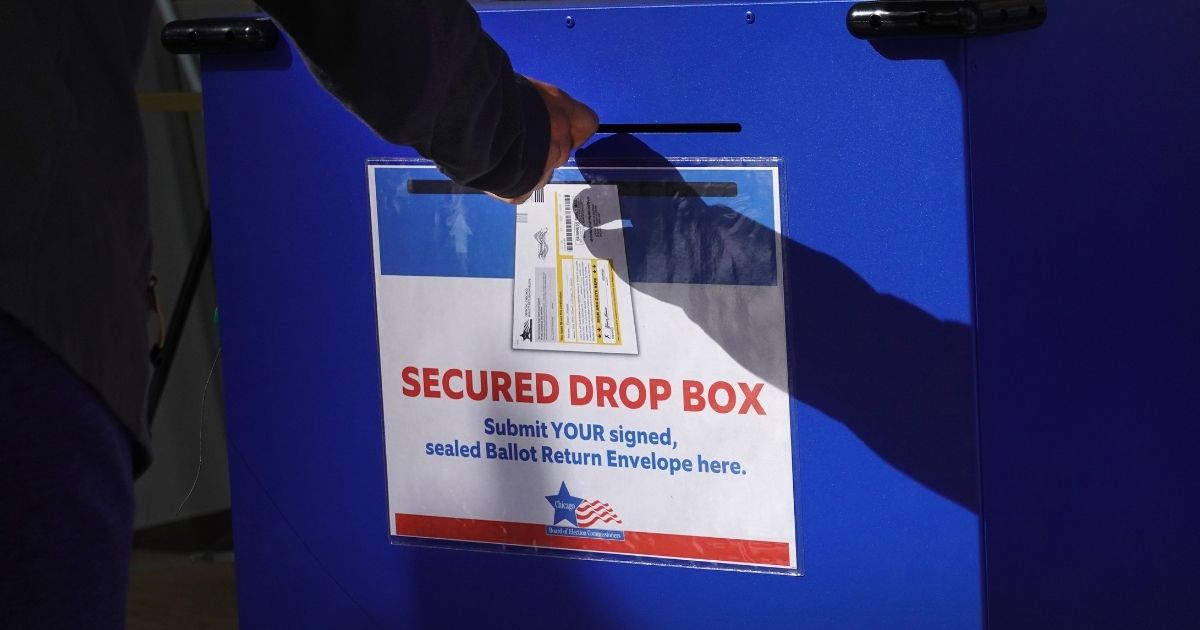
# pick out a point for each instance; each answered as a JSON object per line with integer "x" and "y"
{"x": 640, "y": 543}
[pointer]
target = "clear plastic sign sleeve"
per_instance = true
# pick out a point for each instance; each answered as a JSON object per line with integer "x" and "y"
{"x": 600, "y": 372}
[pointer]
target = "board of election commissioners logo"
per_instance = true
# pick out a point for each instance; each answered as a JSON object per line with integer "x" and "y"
{"x": 581, "y": 514}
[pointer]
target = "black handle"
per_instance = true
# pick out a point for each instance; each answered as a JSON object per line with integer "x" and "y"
{"x": 931, "y": 18}
{"x": 220, "y": 35}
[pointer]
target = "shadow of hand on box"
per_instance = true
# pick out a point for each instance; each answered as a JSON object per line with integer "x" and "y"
{"x": 896, "y": 376}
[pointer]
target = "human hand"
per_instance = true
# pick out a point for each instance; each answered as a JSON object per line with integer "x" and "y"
{"x": 571, "y": 124}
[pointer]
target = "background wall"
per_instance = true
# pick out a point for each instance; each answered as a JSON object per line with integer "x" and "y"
{"x": 178, "y": 198}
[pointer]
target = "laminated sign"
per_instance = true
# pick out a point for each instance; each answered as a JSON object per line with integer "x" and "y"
{"x": 600, "y": 371}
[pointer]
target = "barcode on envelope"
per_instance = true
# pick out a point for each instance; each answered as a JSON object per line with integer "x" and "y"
{"x": 568, "y": 225}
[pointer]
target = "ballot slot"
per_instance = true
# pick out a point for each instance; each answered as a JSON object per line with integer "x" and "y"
{"x": 624, "y": 188}
{"x": 707, "y": 127}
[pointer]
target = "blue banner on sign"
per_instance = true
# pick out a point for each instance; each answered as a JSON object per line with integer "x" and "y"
{"x": 431, "y": 227}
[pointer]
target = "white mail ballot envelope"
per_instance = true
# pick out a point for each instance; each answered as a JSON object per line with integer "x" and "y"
{"x": 570, "y": 277}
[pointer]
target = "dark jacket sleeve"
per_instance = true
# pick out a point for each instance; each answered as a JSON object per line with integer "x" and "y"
{"x": 423, "y": 73}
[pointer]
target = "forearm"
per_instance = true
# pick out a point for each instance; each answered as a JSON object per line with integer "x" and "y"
{"x": 423, "y": 73}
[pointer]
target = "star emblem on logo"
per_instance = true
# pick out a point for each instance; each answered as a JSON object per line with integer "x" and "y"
{"x": 564, "y": 505}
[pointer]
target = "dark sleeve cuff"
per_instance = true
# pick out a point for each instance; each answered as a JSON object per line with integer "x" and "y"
{"x": 522, "y": 165}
